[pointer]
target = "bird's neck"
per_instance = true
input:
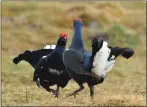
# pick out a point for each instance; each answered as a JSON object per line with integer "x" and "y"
{"x": 59, "y": 49}
{"x": 77, "y": 42}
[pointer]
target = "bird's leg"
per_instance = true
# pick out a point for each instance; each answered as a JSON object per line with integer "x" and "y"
{"x": 91, "y": 87}
{"x": 53, "y": 91}
{"x": 57, "y": 92}
{"x": 45, "y": 85}
{"x": 50, "y": 90}
{"x": 76, "y": 91}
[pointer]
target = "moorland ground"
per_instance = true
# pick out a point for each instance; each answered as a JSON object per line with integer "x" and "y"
{"x": 32, "y": 25}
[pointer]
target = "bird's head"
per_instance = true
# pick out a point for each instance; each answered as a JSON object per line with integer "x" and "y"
{"x": 21, "y": 57}
{"x": 97, "y": 44}
{"x": 62, "y": 39}
{"x": 77, "y": 23}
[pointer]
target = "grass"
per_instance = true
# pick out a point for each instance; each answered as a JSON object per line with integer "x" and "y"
{"x": 32, "y": 25}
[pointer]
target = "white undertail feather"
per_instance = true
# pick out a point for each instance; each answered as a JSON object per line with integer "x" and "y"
{"x": 50, "y": 47}
{"x": 47, "y": 47}
{"x": 100, "y": 61}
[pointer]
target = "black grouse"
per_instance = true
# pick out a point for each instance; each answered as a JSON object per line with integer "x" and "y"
{"x": 50, "y": 70}
{"x": 83, "y": 66}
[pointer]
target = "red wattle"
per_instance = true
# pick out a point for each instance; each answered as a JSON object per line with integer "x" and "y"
{"x": 61, "y": 34}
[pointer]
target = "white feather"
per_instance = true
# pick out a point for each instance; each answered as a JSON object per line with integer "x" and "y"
{"x": 44, "y": 56}
{"x": 50, "y": 47}
{"x": 100, "y": 59}
{"x": 108, "y": 66}
{"x": 47, "y": 47}
{"x": 53, "y": 46}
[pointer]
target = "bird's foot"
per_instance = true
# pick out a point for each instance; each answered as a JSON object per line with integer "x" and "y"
{"x": 91, "y": 98}
{"x": 38, "y": 82}
{"x": 73, "y": 94}
{"x": 76, "y": 91}
{"x": 55, "y": 93}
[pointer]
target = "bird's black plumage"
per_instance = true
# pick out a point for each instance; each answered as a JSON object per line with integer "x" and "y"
{"x": 50, "y": 70}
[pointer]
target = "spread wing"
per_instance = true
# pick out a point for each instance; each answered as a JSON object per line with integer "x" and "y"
{"x": 74, "y": 60}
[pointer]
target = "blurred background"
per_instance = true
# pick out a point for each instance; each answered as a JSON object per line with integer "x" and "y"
{"x": 32, "y": 25}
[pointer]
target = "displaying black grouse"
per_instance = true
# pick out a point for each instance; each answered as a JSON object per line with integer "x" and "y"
{"x": 50, "y": 70}
{"x": 81, "y": 64}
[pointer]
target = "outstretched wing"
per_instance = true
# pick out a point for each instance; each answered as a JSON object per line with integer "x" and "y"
{"x": 74, "y": 61}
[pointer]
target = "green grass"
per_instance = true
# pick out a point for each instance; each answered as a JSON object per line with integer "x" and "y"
{"x": 32, "y": 25}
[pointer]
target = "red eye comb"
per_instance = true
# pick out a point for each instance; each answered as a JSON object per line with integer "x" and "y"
{"x": 63, "y": 34}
